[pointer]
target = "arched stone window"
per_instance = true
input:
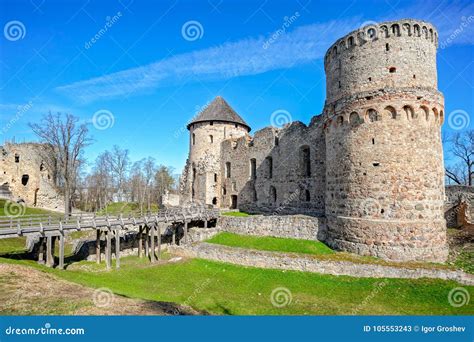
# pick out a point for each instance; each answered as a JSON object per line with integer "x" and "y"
{"x": 354, "y": 118}
{"x": 390, "y": 112}
{"x": 371, "y": 33}
{"x": 17, "y": 158}
{"x": 441, "y": 116}
{"x": 305, "y": 161}
{"x": 416, "y": 30}
{"x": 253, "y": 168}
{"x": 269, "y": 162}
{"x": 214, "y": 201}
{"x": 24, "y": 179}
{"x": 435, "y": 111}
{"x": 410, "y": 113}
{"x": 372, "y": 115}
{"x": 425, "y": 32}
{"x": 431, "y": 34}
{"x": 227, "y": 170}
{"x": 384, "y": 31}
{"x": 340, "y": 120}
{"x": 426, "y": 112}
{"x": 350, "y": 41}
{"x": 396, "y": 30}
{"x": 407, "y": 28}
{"x": 273, "y": 194}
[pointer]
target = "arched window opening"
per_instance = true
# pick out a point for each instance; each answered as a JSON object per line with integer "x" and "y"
{"x": 307, "y": 196}
{"x": 24, "y": 179}
{"x": 305, "y": 161}
{"x": 426, "y": 112}
{"x": 354, "y": 118}
{"x": 396, "y": 30}
{"x": 435, "y": 111}
{"x": 340, "y": 120}
{"x": 372, "y": 115}
{"x": 351, "y": 41}
{"x": 392, "y": 70}
{"x": 194, "y": 173}
{"x": 227, "y": 169}
{"x": 253, "y": 168}
{"x": 42, "y": 166}
{"x": 391, "y": 112}
{"x": 214, "y": 201}
{"x": 387, "y": 47}
{"x": 17, "y": 158}
{"x": 269, "y": 167}
{"x": 273, "y": 194}
{"x": 410, "y": 113}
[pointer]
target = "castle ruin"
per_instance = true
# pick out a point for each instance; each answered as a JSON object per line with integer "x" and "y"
{"x": 370, "y": 166}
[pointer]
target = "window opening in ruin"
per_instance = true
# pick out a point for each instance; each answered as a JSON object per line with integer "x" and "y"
{"x": 224, "y": 190}
{"x": 370, "y": 79}
{"x": 215, "y": 177}
{"x": 414, "y": 76}
{"x": 24, "y": 179}
{"x": 387, "y": 47}
{"x": 339, "y": 83}
{"x": 382, "y": 211}
{"x": 212, "y": 123}
{"x": 392, "y": 70}
{"x": 227, "y": 169}
{"x": 233, "y": 202}
{"x": 277, "y": 141}
{"x": 254, "y": 194}
{"x": 270, "y": 167}
{"x": 375, "y": 164}
{"x": 373, "y": 115}
{"x": 17, "y": 158}
{"x": 273, "y": 194}
{"x": 235, "y": 125}
{"x": 194, "y": 138}
{"x": 211, "y": 139}
{"x": 192, "y": 192}
{"x": 194, "y": 173}
{"x": 373, "y": 141}
{"x": 41, "y": 166}
{"x": 307, "y": 196}
{"x": 305, "y": 161}
{"x": 214, "y": 201}
{"x": 234, "y": 186}
{"x": 253, "y": 168}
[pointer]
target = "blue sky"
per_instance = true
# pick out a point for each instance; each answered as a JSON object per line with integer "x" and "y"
{"x": 151, "y": 75}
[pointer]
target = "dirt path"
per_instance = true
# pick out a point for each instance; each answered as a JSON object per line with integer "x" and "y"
{"x": 27, "y": 291}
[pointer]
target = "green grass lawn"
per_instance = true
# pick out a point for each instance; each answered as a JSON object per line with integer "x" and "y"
{"x": 28, "y": 210}
{"x": 124, "y": 208}
{"x": 268, "y": 243}
{"x": 220, "y": 288}
{"x": 235, "y": 214}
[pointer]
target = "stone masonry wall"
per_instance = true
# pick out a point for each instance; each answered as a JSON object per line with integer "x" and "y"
{"x": 289, "y": 226}
{"x": 24, "y": 173}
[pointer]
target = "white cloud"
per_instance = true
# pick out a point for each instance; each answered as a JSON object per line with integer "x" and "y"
{"x": 240, "y": 58}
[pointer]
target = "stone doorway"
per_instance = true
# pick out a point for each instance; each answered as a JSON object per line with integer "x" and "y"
{"x": 233, "y": 202}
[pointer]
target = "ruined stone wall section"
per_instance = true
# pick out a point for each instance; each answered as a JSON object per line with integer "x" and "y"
{"x": 392, "y": 54}
{"x": 24, "y": 173}
{"x": 290, "y": 186}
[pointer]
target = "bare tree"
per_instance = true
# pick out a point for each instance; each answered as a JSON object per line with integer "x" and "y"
{"x": 119, "y": 164}
{"x": 164, "y": 180}
{"x": 65, "y": 140}
{"x": 462, "y": 149}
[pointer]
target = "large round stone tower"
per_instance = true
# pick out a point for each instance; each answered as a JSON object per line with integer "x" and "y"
{"x": 384, "y": 172}
{"x": 217, "y": 122}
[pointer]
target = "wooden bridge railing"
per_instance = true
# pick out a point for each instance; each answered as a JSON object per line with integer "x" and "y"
{"x": 149, "y": 227}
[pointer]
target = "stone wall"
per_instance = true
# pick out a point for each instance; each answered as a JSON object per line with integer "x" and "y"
{"x": 298, "y": 262}
{"x": 25, "y": 174}
{"x": 290, "y": 226}
{"x": 459, "y": 205}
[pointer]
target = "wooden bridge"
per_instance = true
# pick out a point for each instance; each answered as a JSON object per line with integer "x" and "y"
{"x": 52, "y": 227}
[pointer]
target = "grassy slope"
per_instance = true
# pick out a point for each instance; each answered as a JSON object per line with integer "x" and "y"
{"x": 28, "y": 210}
{"x": 124, "y": 208}
{"x": 268, "y": 243}
{"x": 227, "y": 289}
{"x": 235, "y": 213}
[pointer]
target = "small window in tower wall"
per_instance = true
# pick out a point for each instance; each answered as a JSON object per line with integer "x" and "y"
{"x": 194, "y": 139}
{"x": 211, "y": 139}
{"x": 24, "y": 179}
{"x": 387, "y": 47}
{"x": 215, "y": 177}
{"x": 17, "y": 158}
{"x": 235, "y": 125}
{"x": 392, "y": 70}
{"x": 339, "y": 84}
{"x": 212, "y": 123}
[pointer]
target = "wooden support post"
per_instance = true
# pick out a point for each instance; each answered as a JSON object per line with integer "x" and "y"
{"x": 205, "y": 223}
{"x": 140, "y": 241}
{"x": 147, "y": 245}
{"x": 159, "y": 241}
{"x": 49, "y": 251}
{"x": 173, "y": 239}
{"x": 117, "y": 248}
{"x": 61, "y": 250}
{"x": 97, "y": 246}
{"x": 108, "y": 249}
{"x": 41, "y": 251}
{"x": 152, "y": 250}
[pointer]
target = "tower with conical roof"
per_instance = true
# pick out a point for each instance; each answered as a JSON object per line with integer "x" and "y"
{"x": 201, "y": 178}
